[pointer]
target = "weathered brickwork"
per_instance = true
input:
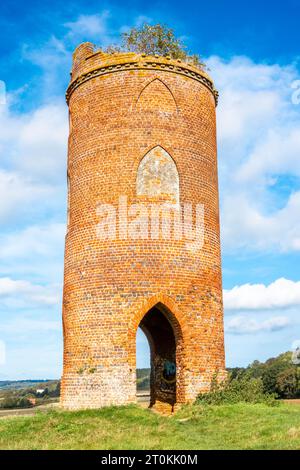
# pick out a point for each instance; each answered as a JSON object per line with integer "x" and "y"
{"x": 122, "y": 108}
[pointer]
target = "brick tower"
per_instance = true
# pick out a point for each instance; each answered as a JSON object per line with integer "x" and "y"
{"x": 142, "y": 137}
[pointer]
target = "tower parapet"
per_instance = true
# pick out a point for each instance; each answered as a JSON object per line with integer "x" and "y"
{"x": 88, "y": 64}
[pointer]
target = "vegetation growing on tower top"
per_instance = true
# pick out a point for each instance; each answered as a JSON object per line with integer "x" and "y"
{"x": 155, "y": 39}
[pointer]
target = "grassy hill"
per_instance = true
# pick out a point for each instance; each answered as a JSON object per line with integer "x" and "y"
{"x": 241, "y": 426}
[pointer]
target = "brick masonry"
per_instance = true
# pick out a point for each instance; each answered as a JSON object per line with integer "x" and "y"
{"x": 144, "y": 128}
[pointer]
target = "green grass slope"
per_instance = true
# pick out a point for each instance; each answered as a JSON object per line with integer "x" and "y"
{"x": 241, "y": 426}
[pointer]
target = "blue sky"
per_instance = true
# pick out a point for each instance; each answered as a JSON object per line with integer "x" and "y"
{"x": 253, "y": 55}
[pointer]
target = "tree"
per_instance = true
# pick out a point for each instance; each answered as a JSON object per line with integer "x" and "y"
{"x": 287, "y": 383}
{"x": 256, "y": 369}
{"x": 269, "y": 377}
{"x": 155, "y": 39}
{"x": 279, "y": 375}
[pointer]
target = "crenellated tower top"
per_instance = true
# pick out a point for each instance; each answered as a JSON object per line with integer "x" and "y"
{"x": 89, "y": 63}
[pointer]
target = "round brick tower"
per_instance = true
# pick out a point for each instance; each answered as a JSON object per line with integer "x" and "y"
{"x": 143, "y": 245}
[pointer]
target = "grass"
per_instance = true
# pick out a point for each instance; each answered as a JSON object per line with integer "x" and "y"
{"x": 241, "y": 426}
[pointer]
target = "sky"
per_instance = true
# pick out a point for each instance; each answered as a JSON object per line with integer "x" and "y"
{"x": 252, "y": 51}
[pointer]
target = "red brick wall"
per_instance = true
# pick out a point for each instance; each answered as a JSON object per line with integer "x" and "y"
{"x": 110, "y": 285}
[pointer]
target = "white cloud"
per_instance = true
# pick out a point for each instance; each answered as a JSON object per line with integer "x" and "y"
{"x": 18, "y": 192}
{"x": 34, "y": 360}
{"x": 54, "y": 56}
{"x": 35, "y": 142}
{"x": 32, "y": 241}
{"x": 51, "y": 54}
{"x": 35, "y": 252}
{"x": 259, "y": 142}
{"x": 277, "y": 153}
{"x": 141, "y": 19}
{"x": 54, "y": 59}
{"x": 23, "y": 326}
{"x": 246, "y": 225}
{"x": 280, "y": 294}
{"x": 20, "y": 293}
{"x": 92, "y": 26}
{"x": 33, "y": 150}
{"x": 41, "y": 143}
{"x": 2, "y": 353}
{"x": 242, "y": 325}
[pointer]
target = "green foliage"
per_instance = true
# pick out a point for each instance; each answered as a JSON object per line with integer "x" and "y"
{"x": 287, "y": 383}
{"x": 240, "y": 389}
{"x": 15, "y": 402}
{"x": 269, "y": 377}
{"x": 155, "y": 39}
{"x": 8, "y": 402}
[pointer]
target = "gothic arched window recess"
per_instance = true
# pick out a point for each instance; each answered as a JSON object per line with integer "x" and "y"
{"x": 157, "y": 175}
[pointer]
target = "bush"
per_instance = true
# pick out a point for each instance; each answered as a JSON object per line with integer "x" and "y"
{"x": 8, "y": 403}
{"x": 155, "y": 39}
{"x": 15, "y": 402}
{"x": 24, "y": 403}
{"x": 240, "y": 389}
{"x": 287, "y": 383}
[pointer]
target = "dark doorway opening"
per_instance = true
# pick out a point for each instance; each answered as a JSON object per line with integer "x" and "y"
{"x": 160, "y": 334}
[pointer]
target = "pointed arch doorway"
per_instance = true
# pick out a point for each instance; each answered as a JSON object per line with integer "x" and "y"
{"x": 164, "y": 336}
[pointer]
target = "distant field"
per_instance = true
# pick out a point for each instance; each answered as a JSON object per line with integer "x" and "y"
{"x": 20, "y": 384}
{"x": 241, "y": 426}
